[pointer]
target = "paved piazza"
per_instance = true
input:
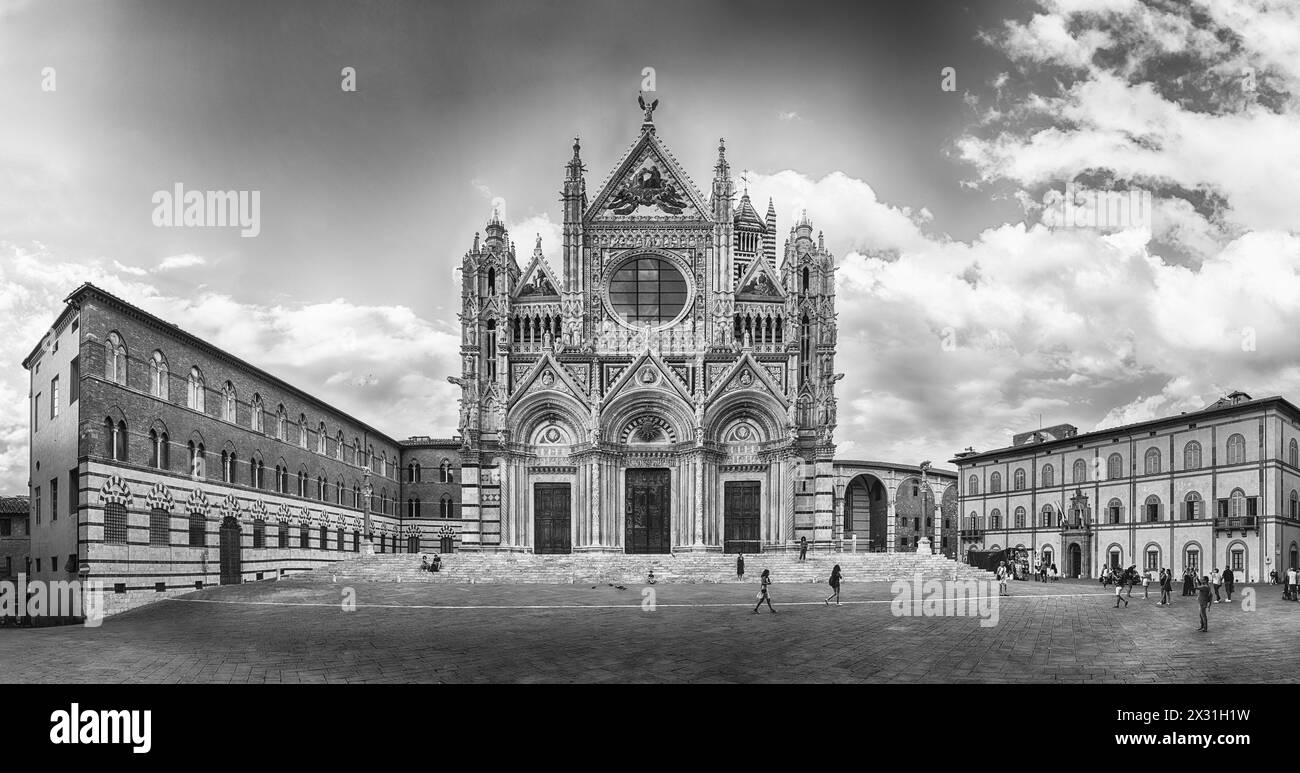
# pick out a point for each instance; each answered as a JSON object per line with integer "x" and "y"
{"x": 295, "y": 631}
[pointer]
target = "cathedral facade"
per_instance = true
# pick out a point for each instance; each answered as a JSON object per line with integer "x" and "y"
{"x": 665, "y": 383}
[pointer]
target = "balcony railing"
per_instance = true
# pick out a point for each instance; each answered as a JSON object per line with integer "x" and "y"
{"x": 1243, "y": 523}
{"x": 972, "y": 534}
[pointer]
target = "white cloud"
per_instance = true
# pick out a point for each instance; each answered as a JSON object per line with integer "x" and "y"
{"x": 187, "y": 260}
{"x": 788, "y": 115}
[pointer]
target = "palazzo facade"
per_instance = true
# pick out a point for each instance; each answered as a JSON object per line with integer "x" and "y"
{"x": 662, "y": 384}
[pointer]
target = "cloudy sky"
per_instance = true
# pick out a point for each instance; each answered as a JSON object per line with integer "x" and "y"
{"x": 965, "y": 315}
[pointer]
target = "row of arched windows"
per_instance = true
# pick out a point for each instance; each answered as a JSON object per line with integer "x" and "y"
{"x": 415, "y": 474}
{"x": 115, "y": 370}
{"x": 446, "y": 508}
{"x": 1151, "y": 465}
{"x": 116, "y": 446}
{"x": 1236, "y": 505}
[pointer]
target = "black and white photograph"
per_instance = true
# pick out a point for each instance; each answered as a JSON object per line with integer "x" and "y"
{"x": 942, "y": 348}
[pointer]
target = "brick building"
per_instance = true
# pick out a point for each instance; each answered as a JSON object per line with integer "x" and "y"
{"x": 15, "y": 544}
{"x": 160, "y": 463}
{"x": 1218, "y": 487}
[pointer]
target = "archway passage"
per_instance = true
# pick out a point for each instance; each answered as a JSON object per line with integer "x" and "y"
{"x": 1076, "y": 562}
{"x": 230, "y": 558}
{"x": 413, "y": 543}
{"x": 648, "y": 514}
{"x": 551, "y": 518}
{"x": 741, "y": 516}
{"x": 866, "y": 512}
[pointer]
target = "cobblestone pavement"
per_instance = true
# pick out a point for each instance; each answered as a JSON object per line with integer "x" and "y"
{"x": 296, "y": 631}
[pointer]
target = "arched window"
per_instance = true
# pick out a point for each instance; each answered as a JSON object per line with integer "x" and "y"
{"x": 1192, "y": 456}
{"x": 417, "y": 473}
{"x": 1080, "y": 472}
{"x": 972, "y": 521}
{"x": 1295, "y": 504}
{"x": 198, "y": 530}
{"x": 1049, "y": 475}
{"x": 115, "y": 523}
{"x": 806, "y": 278}
{"x": 444, "y": 506}
{"x": 158, "y": 375}
{"x": 1237, "y": 503}
{"x": 320, "y": 488}
{"x": 321, "y": 439}
{"x": 1151, "y": 509}
{"x": 302, "y": 430}
{"x": 256, "y": 419}
{"x": 1193, "y": 507}
{"x": 338, "y": 492}
{"x": 445, "y": 471}
{"x": 338, "y": 446}
{"x": 1236, "y": 449}
{"x": 356, "y": 451}
{"x": 1020, "y": 517}
{"x": 973, "y": 485}
{"x": 1114, "y": 511}
{"x": 383, "y": 464}
{"x": 1151, "y": 461}
{"x": 281, "y": 423}
{"x": 115, "y": 358}
{"x": 995, "y": 519}
{"x": 228, "y": 402}
{"x": 1293, "y": 455}
{"x": 492, "y": 281}
{"x": 1047, "y": 517}
{"x": 1114, "y": 467}
{"x": 995, "y": 483}
{"x": 115, "y": 439}
{"x": 194, "y": 395}
{"x": 1018, "y": 479}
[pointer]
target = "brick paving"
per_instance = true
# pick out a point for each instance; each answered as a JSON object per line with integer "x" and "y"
{"x": 296, "y": 631}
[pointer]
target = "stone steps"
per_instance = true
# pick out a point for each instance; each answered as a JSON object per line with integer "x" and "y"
{"x": 619, "y": 569}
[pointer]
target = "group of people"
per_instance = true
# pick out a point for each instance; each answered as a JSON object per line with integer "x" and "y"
{"x": 765, "y": 579}
{"x": 430, "y": 566}
{"x": 1044, "y": 572}
{"x": 1290, "y": 584}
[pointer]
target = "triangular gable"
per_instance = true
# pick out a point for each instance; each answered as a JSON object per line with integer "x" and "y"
{"x": 548, "y": 373}
{"x": 646, "y": 372}
{"x": 748, "y": 374}
{"x": 537, "y": 282}
{"x": 648, "y": 181}
{"x": 760, "y": 283}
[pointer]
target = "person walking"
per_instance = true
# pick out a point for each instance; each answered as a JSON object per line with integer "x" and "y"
{"x": 764, "y": 580}
{"x": 835, "y": 580}
{"x": 1119, "y": 595}
{"x": 1002, "y": 578}
{"x": 1290, "y": 583}
{"x": 1166, "y": 586}
{"x": 740, "y": 566}
{"x": 1216, "y": 580}
{"x": 1204, "y": 599}
{"x": 1228, "y": 579}
{"x": 1187, "y": 582}
{"x": 1146, "y": 584}
{"x": 803, "y": 548}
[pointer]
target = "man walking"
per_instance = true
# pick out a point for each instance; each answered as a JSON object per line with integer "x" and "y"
{"x": 1119, "y": 595}
{"x": 1204, "y": 599}
{"x": 1216, "y": 580}
{"x": 1290, "y": 582}
{"x": 1228, "y": 579}
{"x": 1166, "y": 586}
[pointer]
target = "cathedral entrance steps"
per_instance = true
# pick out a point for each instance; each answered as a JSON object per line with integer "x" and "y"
{"x": 525, "y": 568}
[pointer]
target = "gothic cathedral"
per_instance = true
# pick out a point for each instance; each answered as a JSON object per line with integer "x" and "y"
{"x": 666, "y": 387}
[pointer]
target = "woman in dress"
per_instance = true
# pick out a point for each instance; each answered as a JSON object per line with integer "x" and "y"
{"x": 765, "y": 581}
{"x": 836, "y": 576}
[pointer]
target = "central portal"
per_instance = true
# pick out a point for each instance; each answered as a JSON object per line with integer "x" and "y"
{"x": 551, "y": 515}
{"x": 648, "y": 512}
{"x": 740, "y": 516}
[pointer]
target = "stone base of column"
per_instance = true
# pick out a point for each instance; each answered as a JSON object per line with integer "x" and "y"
{"x": 679, "y": 549}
